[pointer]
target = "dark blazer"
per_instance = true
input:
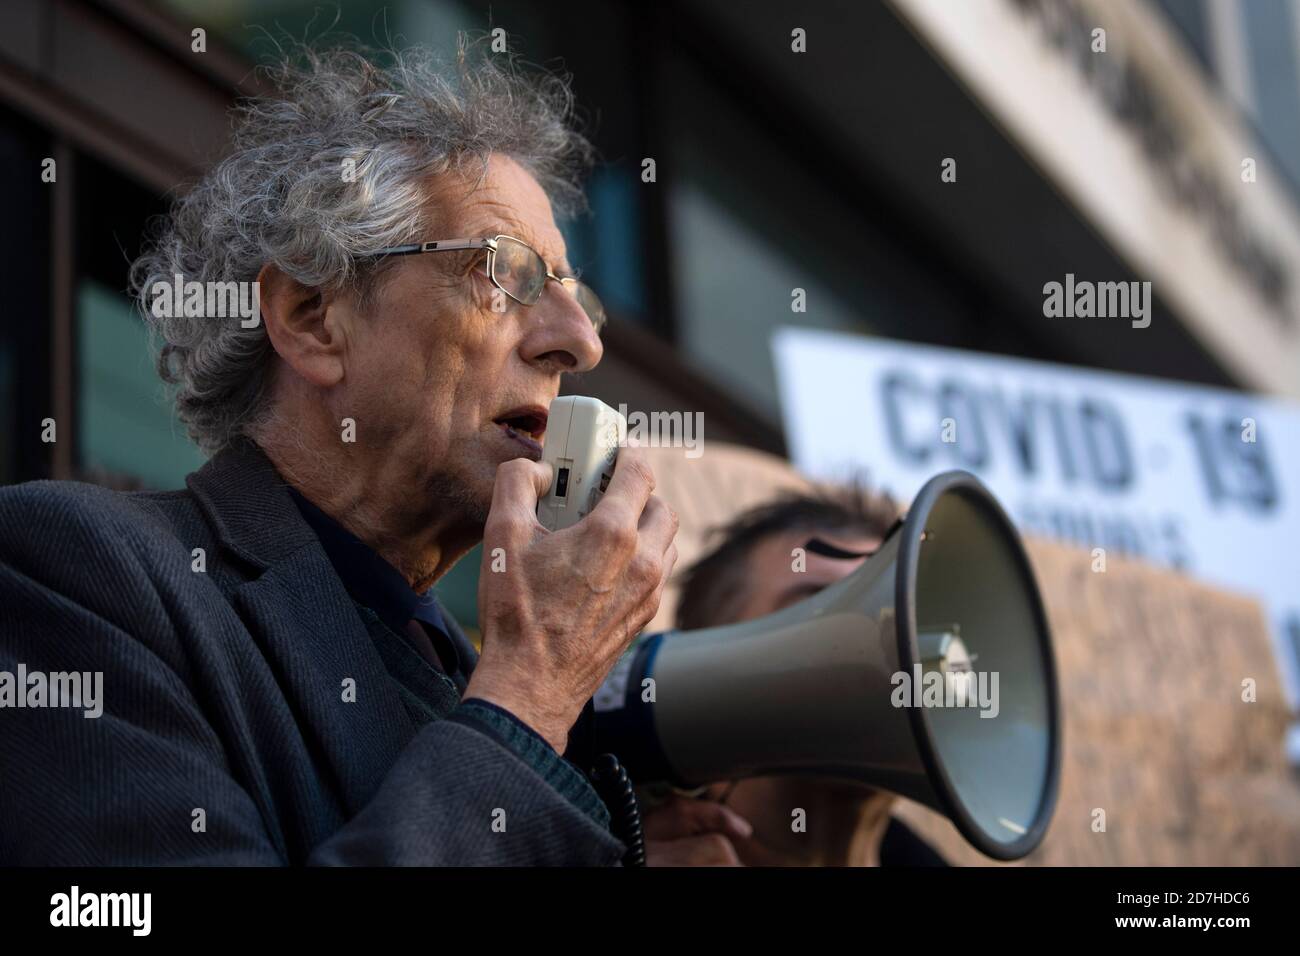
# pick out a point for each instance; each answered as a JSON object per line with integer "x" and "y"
{"x": 223, "y": 692}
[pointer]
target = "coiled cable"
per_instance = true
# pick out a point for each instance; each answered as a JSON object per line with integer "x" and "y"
{"x": 610, "y": 779}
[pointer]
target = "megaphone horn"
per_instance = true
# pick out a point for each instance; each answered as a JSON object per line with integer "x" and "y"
{"x": 960, "y": 713}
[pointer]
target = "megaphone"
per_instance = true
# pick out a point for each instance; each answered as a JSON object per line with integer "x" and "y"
{"x": 884, "y": 678}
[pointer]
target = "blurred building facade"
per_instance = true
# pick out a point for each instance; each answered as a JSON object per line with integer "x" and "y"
{"x": 1170, "y": 155}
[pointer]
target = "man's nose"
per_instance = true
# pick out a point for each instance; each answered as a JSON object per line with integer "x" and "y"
{"x": 561, "y": 333}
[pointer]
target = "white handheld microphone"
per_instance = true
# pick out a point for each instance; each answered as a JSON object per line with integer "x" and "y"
{"x": 582, "y": 440}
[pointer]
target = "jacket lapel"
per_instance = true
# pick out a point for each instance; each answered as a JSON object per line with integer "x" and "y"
{"x": 307, "y": 625}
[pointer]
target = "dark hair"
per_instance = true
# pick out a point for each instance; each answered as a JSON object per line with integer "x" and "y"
{"x": 711, "y": 587}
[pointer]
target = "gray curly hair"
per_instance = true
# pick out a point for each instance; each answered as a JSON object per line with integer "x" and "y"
{"x": 279, "y": 196}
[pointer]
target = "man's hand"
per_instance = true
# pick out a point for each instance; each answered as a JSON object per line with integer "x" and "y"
{"x": 568, "y": 602}
{"x": 683, "y": 832}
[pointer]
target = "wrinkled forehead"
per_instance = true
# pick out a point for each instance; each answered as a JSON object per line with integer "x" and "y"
{"x": 503, "y": 199}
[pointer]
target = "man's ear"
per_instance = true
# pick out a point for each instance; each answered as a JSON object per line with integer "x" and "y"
{"x": 304, "y": 330}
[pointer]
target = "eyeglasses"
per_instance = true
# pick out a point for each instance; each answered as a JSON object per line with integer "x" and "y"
{"x": 516, "y": 269}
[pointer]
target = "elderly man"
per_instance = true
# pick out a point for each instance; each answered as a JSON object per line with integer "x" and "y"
{"x": 279, "y": 684}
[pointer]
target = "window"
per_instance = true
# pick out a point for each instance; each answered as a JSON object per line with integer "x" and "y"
{"x": 127, "y": 432}
{"x": 753, "y": 216}
{"x": 1271, "y": 39}
{"x": 1189, "y": 17}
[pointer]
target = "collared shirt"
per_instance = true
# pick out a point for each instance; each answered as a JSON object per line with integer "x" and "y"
{"x": 376, "y": 584}
{"x": 384, "y": 593}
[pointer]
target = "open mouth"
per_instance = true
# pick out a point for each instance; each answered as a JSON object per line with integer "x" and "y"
{"x": 525, "y": 425}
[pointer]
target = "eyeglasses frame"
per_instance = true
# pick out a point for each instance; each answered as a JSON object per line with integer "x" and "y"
{"x": 490, "y": 244}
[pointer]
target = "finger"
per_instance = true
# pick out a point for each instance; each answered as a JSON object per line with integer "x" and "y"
{"x": 630, "y": 488}
{"x": 719, "y": 818}
{"x": 519, "y": 484}
{"x": 651, "y": 607}
{"x": 708, "y": 850}
{"x": 669, "y": 820}
{"x": 664, "y": 569}
{"x": 658, "y": 526}
{"x": 682, "y": 818}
